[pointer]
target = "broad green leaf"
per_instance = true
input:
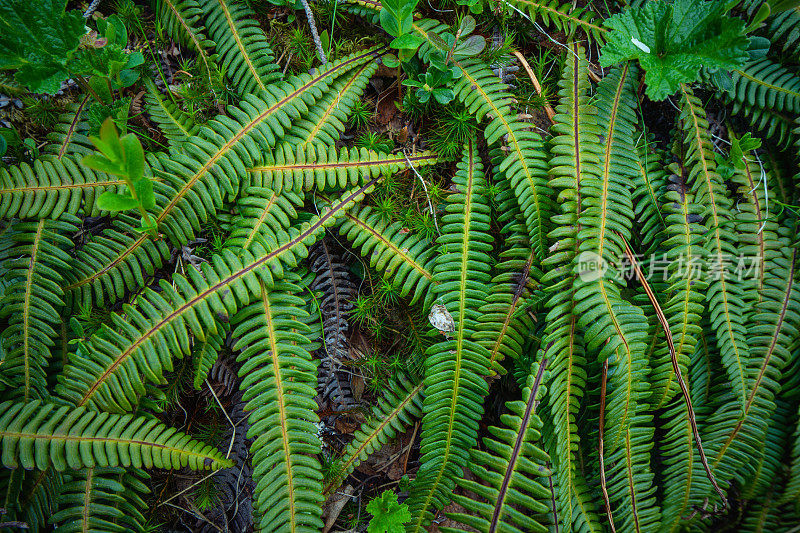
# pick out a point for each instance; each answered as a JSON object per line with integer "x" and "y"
{"x": 408, "y": 41}
{"x": 466, "y": 27}
{"x": 37, "y": 38}
{"x": 110, "y": 201}
{"x": 396, "y": 16}
{"x": 133, "y": 155}
{"x": 673, "y": 42}
{"x": 102, "y": 163}
{"x": 471, "y": 46}
{"x": 144, "y": 192}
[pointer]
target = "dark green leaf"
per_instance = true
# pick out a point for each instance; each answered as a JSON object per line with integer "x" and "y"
{"x": 36, "y": 38}
{"x": 674, "y": 41}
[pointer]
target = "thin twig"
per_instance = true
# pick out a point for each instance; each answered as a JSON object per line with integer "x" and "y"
{"x": 547, "y": 108}
{"x": 684, "y": 390}
{"x": 313, "y": 26}
{"x": 427, "y": 194}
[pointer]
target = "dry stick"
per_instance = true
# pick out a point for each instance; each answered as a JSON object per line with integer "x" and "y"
{"x": 410, "y": 447}
{"x": 606, "y": 499}
{"x": 314, "y": 34}
{"x": 665, "y": 325}
{"x": 536, "y": 85}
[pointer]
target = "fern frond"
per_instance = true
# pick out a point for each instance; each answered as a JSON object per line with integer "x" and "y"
{"x": 261, "y": 216}
{"x": 770, "y": 468}
{"x": 403, "y": 257}
{"x": 520, "y": 156}
{"x": 182, "y": 21}
{"x": 766, "y": 85}
{"x": 685, "y": 480}
{"x": 770, "y": 123}
{"x": 176, "y": 125}
{"x": 279, "y": 386}
{"x": 121, "y": 259}
{"x": 505, "y": 322}
{"x": 791, "y": 492}
{"x": 194, "y": 174}
{"x": 737, "y": 438}
{"x": 40, "y": 435}
{"x": 724, "y": 296}
{"x": 563, "y": 17}
{"x": 510, "y": 497}
{"x": 69, "y": 135}
{"x": 30, "y": 496}
{"x": 337, "y": 292}
{"x": 51, "y": 187}
{"x": 454, "y": 367}
{"x": 576, "y": 506}
{"x": 602, "y": 167}
{"x": 684, "y": 307}
{"x": 784, "y": 27}
{"x": 303, "y": 167}
{"x": 394, "y": 412}
{"x": 240, "y": 42}
{"x": 205, "y": 353}
{"x": 99, "y": 499}
{"x": 648, "y": 185}
{"x": 33, "y": 257}
{"x": 141, "y": 346}
{"x": 328, "y": 117}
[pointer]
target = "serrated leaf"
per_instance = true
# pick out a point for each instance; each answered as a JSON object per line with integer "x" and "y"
{"x": 388, "y": 516}
{"x": 37, "y": 38}
{"x": 674, "y": 41}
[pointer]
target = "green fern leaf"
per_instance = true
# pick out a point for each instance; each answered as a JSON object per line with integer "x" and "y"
{"x": 205, "y": 353}
{"x": 30, "y": 496}
{"x": 454, "y": 368}
{"x": 181, "y": 20}
{"x": 70, "y": 134}
{"x": 176, "y": 125}
{"x": 329, "y": 115}
{"x": 685, "y": 480}
{"x": 766, "y": 85}
{"x": 262, "y": 216}
{"x": 563, "y": 17}
{"x": 648, "y": 186}
{"x": 395, "y": 411}
{"x": 307, "y": 166}
{"x": 279, "y": 387}
{"x": 51, "y": 187}
{"x": 100, "y": 499}
{"x": 34, "y": 255}
{"x": 505, "y": 322}
{"x": 243, "y": 48}
{"x": 511, "y": 498}
{"x": 404, "y": 257}
{"x": 565, "y": 344}
{"x": 112, "y": 375}
{"x": 192, "y": 176}
{"x": 724, "y": 296}
{"x": 40, "y": 435}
